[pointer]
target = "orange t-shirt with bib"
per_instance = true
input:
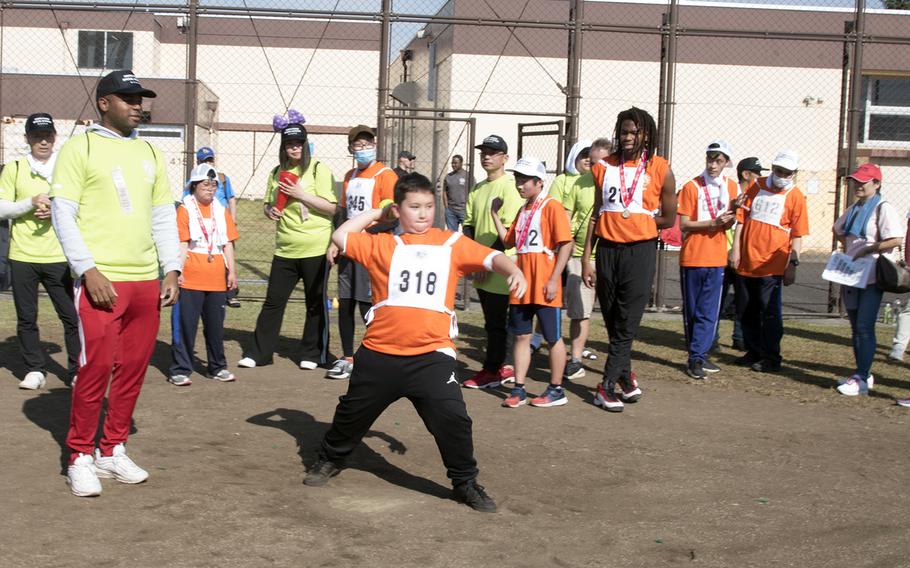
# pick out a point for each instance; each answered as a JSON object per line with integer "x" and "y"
{"x": 198, "y": 273}
{"x": 769, "y": 220}
{"x": 383, "y": 188}
{"x": 640, "y": 225}
{"x": 406, "y": 330}
{"x": 548, "y": 229}
{"x": 704, "y": 248}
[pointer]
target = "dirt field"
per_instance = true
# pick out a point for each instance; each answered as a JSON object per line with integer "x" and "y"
{"x": 742, "y": 470}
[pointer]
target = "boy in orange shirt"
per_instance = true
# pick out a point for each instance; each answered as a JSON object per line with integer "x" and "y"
{"x": 207, "y": 234}
{"x": 706, "y": 210}
{"x": 414, "y": 277}
{"x": 771, "y": 223}
{"x": 541, "y": 235}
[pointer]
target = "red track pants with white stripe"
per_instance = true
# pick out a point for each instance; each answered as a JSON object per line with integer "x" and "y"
{"x": 117, "y": 345}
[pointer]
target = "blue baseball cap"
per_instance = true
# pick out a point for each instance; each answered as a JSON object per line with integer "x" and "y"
{"x": 204, "y": 153}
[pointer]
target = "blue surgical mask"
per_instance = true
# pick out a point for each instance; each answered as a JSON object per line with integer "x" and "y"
{"x": 365, "y": 156}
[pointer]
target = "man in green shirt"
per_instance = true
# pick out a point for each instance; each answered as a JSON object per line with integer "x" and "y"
{"x": 35, "y": 254}
{"x": 113, "y": 212}
{"x": 492, "y": 289}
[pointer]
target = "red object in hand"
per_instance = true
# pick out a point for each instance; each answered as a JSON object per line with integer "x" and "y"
{"x": 281, "y": 198}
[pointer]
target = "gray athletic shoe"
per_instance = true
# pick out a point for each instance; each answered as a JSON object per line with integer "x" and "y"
{"x": 341, "y": 369}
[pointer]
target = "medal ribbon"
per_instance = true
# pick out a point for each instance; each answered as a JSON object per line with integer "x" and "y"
{"x": 627, "y": 195}
{"x": 524, "y": 220}
{"x": 205, "y": 233}
{"x": 704, "y": 187}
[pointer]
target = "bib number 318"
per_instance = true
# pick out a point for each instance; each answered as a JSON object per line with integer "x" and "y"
{"x": 425, "y": 283}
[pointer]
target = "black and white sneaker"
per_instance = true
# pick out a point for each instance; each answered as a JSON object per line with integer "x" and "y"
{"x": 710, "y": 367}
{"x": 573, "y": 370}
{"x": 696, "y": 370}
{"x": 320, "y": 473}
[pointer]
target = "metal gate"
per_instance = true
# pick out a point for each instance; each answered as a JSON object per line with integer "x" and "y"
{"x": 544, "y": 141}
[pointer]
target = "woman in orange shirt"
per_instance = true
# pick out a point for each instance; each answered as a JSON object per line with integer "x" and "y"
{"x": 207, "y": 233}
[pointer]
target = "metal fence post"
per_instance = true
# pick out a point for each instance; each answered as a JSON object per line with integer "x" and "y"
{"x": 382, "y": 101}
{"x": 191, "y": 91}
{"x": 667, "y": 103}
{"x": 573, "y": 72}
{"x": 856, "y": 88}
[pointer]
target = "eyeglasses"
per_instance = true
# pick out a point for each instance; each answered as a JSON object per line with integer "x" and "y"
{"x": 363, "y": 145}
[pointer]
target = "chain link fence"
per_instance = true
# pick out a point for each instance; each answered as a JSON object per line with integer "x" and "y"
{"x": 436, "y": 76}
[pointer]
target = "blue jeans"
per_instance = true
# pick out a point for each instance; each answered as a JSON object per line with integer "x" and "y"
{"x": 862, "y": 308}
{"x": 453, "y": 219}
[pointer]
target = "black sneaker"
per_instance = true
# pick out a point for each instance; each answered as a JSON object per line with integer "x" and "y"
{"x": 473, "y": 495}
{"x": 233, "y": 303}
{"x": 696, "y": 370}
{"x": 710, "y": 367}
{"x": 573, "y": 371}
{"x": 320, "y": 472}
{"x": 766, "y": 366}
{"x": 747, "y": 360}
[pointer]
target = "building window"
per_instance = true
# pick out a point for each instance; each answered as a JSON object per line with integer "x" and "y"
{"x": 105, "y": 50}
{"x": 886, "y": 106}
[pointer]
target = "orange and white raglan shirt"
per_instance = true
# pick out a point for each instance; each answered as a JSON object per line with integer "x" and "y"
{"x": 414, "y": 278}
{"x": 198, "y": 272}
{"x": 769, "y": 220}
{"x": 367, "y": 189}
{"x": 645, "y": 203}
{"x": 536, "y": 233}
{"x": 700, "y": 202}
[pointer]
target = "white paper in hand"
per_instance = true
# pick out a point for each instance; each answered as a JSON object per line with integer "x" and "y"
{"x": 843, "y": 270}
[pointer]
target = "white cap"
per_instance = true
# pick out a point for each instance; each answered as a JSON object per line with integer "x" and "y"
{"x": 721, "y": 146}
{"x": 787, "y": 159}
{"x": 202, "y": 172}
{"x": 531, "y": 167}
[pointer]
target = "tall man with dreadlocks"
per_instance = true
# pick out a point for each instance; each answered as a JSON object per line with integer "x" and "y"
{"x": 635, "y": 198}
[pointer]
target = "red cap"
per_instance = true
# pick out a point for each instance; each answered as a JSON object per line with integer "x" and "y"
{"x": 866, "y": 172}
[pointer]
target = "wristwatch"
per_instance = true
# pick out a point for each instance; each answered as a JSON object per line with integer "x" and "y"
{"x": 794, "y": 261}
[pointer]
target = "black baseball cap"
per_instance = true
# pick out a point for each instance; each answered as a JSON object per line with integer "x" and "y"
{"x": 122, "y": 82}
{"x": 39, "y": 122}
{"x": 750, "y": 164}
{"x": 293, "y": 132}
{"x": 493, "y": 142}
{"x": 407, "y": 154}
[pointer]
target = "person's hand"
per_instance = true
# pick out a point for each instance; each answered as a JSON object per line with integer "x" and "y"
{"x": 293, "y": 190}
{"x": 231, "y": 280}
{"x": 101, "y": 292}
{"x": 495, "y": 206}
{"x": 789, "y": 275}
{"x": 180, "y": 280}
{"x": 734, "y": 258}
{"x": 272, "y": 212}
{"x": 588, "y": 274}
{"x": 170, "y": 290}
{"x": 549, "y": 290}
{"x": 331, "y": 254}
{"x": 725, "y": 220}
{"x": 863, "y": 251}
{"x": 740, "y": 201}
{"x": 42, "y": 205}
{"x": 517, "y": 284}
{"x": 387, "y": 214}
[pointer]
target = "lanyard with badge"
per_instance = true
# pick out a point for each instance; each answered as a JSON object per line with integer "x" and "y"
{"x": 205, "y": 233}
{"x": 524, "y": 221}
{"x": 704, "y": 187}
{"x": 627, "y": 195}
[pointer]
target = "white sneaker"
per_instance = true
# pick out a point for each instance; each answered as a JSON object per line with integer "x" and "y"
{"x": 33, "y": 381}
{"x": 82, "y": 479}
{"x": 119, "y": 466}
{"x": 308, "y": 365}
{"x": 246, "y": 363}
{"x": 870, "y": 381}
{"x": 897, "y": 354}
{"x": 854, "y": 386}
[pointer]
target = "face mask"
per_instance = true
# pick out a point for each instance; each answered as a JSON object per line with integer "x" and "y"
{"x": 365, "y": 156}
{"x": 781, "y": 183}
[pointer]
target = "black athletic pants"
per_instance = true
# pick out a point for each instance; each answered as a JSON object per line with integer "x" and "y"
{"x": 191, "y": 305}
{"x": 346, "y": 322}
{"x": 625, "y": 272}
{"x": 428, "y": 381}
{"x": 495, "y": 320}
{"x": 283, "y": 277}
{"x": 758, "y": 305}
{"x": 56, "y": 279}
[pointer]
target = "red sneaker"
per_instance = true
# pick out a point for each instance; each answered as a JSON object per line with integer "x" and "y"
{"x": 507, "y": 374}
{"x": 483, "y": 379}
{"x": 630, "y": 390}
{"x": 607, "y": 400}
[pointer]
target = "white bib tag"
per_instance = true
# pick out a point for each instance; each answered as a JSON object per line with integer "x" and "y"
{"x": 612, "y": 196}
{"x": 123, "y": 194}
{"x": 768, "y": 207}
{"x": 534, "y": 240}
